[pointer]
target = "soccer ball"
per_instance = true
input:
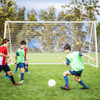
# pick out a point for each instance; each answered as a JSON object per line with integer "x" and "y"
{"x": 51, "y": 83}
{"x": 60, "y": 58}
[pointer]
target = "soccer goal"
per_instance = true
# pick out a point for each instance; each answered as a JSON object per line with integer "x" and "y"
{"x": 46, "y": 39}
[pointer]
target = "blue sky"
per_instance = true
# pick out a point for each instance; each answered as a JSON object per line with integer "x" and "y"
{"x": 44, "y": 4}
{"x": 40, "y": 4}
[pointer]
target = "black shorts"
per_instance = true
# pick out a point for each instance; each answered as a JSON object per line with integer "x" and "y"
{"x": 4, "y": 68}
{"x": 76, "y": 73}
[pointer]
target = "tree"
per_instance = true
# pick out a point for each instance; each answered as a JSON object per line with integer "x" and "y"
{"x": 48, "y": 15}
{"x": 7, "y": 8}
{"x": 31, "y": 15}
{"x": 10, "y": 11}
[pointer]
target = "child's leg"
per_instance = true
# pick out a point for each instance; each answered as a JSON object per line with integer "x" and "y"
{"x": 26, "y": 68}
{"x": 6, "y": 75}
{"x": 80, "y": 81}
{"x": 26, "y": 65}
{"x": 65, "y": 74}
{"x": 11, "y": 77}
{"x": 22, "y": 74}
{"x": 16, "y": 68}
{"x": 7, "y": 70}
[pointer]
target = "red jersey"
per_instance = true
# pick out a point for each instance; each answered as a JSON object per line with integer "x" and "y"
{"x": 3, "y": 50}
{"x": 25, "y": 49}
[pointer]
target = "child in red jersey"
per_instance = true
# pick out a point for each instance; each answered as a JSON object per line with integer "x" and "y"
{"x": 3, "y": 60}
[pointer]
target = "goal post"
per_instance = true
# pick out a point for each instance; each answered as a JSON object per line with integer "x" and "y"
{"x": 46, "y": 39}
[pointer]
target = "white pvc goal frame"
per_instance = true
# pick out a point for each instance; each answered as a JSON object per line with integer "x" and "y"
{"x": 93, "y": 24}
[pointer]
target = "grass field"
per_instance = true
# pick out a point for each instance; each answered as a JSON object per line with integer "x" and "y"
{"x": 49, "y": 58}
{"x": 35, "y": 86}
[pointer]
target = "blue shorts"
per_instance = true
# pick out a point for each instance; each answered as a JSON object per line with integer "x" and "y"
{"x": 4, "y": 68}
{"x": 21, "y": 65}
{"x": 25, "y": 59}
{"x": 76, "y": 73}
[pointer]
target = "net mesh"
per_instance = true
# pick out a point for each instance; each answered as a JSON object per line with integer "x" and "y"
{"x": 47, "y": 40}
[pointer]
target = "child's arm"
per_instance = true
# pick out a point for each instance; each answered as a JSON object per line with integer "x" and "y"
{"x": 93, "y": 59}
{"x": 3, "y": 55}
{"x": 17, "y": 54}
{"x": 65, "y": 63}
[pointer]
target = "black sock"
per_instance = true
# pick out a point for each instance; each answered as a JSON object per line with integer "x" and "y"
{"x": 12, "y": 79}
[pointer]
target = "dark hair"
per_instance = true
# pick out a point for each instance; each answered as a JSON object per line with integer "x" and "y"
{"x": 23, "y": 43}
{"x": 5, "y": 41}
{"x": 67, "y": 46}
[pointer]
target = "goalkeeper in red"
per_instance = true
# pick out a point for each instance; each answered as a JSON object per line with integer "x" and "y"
{"x": 74, "y": 59}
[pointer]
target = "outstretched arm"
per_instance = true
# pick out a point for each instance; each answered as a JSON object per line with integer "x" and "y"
{"x": 91, "y": 58}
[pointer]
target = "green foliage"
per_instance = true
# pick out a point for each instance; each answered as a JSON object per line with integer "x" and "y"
{"x": 31, "y": 15}
{"x": 9, "y": 11}
{"x": 48, "y": 15}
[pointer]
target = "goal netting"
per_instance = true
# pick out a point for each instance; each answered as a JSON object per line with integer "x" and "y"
{"x": 46, "y": 39}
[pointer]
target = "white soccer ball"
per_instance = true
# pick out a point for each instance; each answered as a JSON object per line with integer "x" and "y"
{"x": 51, "y": 82}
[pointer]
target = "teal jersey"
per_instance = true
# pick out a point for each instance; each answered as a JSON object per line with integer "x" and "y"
{"x": 20, "y": 55}
{"x": 75, "y": 61}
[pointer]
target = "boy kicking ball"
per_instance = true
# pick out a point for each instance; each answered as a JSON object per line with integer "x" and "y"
{"x": 74, "y": 59}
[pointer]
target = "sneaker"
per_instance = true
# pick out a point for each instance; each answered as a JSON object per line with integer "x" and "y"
{"x": 21, "y": 82}
{"x": 66, "y": 88}
{"x": 17, "y": 84}
{"x": 7, "y": 77}
{"x": 83, "y": 88}
{"x": 27, "y": 72}
{"x": 15, "y": 71}
{"x": 19, "y": 76}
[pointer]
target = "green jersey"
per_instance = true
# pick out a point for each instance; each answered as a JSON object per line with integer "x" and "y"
{"x": 20, "y": 55}
{"x": 75, "y": 61}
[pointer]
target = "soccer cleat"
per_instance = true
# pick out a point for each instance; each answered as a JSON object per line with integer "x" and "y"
{"x": 7, "y": 77}
{"x": 65, "y": 87}
{"x": 84, "y": 88}
{"x": 15, "y": 71}
{"x": 21, "y": 81}
{"x": 19, "y": 76}
{"x": 17, "y": 84}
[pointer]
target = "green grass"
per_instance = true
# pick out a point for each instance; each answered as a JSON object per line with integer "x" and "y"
{"x": 49, "y": 58}
{"x": 35, "y": 86}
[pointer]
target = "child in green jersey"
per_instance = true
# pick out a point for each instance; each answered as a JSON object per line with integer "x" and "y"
{"x": 74, "y": 59}
{"x": 19, "y": 58}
